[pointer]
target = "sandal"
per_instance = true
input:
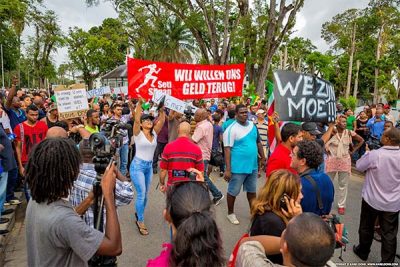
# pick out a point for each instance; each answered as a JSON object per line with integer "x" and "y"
{"x": 142, "y": 228}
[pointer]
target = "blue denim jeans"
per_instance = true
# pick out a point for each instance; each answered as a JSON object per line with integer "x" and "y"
{"x": 3, "y": 190}
{"x": 213, "y": 189}
{"x": 141, "y": 174}
{"x": 11, "y": 183}
{"x": 123, "y": 155}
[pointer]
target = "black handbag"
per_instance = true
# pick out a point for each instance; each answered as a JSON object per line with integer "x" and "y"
{"x": 217, "y": 159}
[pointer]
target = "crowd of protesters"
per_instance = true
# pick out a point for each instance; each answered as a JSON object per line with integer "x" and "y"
{"x": 51, "y": 160}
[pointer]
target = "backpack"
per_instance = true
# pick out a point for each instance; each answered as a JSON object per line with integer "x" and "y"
{"x": 341, "y": 234}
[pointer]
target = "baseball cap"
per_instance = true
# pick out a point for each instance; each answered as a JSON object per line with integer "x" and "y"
{"x": 386, "y": 106}
{"x": 310, "y": 127}
{"x": 145, "y": 117}
{"x": 260, "y": 111}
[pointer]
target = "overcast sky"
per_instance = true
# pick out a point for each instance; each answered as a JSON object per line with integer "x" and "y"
{"x": 309, "y": 20}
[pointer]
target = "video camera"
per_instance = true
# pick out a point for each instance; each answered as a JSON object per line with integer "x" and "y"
{"x": 188, "y": 112}
{"x": 373, "y": 143}
{"x": 104, "y": 145}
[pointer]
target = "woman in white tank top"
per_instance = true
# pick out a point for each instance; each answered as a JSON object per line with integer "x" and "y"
{"x": 141, "y": 170}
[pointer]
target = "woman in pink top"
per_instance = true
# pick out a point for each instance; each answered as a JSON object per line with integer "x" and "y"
{"x": 196, "y": 239}
{"x": 339, "y": 149}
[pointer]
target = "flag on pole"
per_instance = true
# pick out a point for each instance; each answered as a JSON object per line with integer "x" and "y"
{"x": 271, "y": 110}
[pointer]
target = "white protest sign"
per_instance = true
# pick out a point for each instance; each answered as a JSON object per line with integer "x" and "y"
{"x": 171, "y": 102}
{"x": 120, "y": 90}
{"x": 99, "y": 91}
{"x": 71, "y": 103}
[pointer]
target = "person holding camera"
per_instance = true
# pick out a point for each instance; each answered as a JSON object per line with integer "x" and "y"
{"x": 179, "y": 156}
{"x": 55, "y": 233}
{"x": 141, "y": 169}
{"x": 380, "y": 196}
{"x": 270, "y": 211}
{"x": 83, "y": 194}
{"x": 196, "y": 240}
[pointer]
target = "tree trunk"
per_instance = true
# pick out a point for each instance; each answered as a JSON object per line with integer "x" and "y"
{"x": 285, "y": 57}
{"x": 356, "y": 79}
{"x": 350, "y": 70}
{"x": 377, "y": 58}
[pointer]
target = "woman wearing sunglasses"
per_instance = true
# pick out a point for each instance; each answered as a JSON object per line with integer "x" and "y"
{"x": 196, "y": 240}
{"x": 141, "y": 170}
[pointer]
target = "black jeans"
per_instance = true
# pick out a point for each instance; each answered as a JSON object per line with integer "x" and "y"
{"x": 389, "y": 222}
{"x": 159, "y": 150}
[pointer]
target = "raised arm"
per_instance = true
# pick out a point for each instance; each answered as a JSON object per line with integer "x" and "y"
{"x": 275, "y": 120}
{"x": 328, "y": 134}
{"x": 138, "y": 113}
{"x": 12, "y": 93}
{"x": 160, "y": 121}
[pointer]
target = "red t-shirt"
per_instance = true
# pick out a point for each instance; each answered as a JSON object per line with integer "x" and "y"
{"x": 280, "y": 159}
{"x": 32, "y": 135}
{"x": 181, "y": 155}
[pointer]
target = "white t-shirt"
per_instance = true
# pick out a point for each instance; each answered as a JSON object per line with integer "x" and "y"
{"x": 5, "y": 121}
{"x": 144, "y": 148}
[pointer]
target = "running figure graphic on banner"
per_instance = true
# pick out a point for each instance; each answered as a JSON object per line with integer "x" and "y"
{"x": 149, "y": 76}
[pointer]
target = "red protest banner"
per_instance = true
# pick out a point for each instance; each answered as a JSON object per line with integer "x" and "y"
{"x": 184, "y": 81}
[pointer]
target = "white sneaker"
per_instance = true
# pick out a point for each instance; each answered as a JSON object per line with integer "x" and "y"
{"x": 232, "y": 218}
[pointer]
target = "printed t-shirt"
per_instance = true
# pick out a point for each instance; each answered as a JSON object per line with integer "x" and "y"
{"x": 31, "y": 135}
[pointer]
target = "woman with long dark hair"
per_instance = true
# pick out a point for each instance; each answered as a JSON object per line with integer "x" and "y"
{"x": 269, "y": 215}
{"x": 141, "y": 169}
{"x": 196, "y": 238}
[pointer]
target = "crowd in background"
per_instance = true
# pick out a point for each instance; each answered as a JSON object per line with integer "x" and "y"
{"x": 228, "y": 136}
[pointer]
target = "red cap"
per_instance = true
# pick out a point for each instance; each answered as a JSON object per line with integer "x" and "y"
{"x": 386, "y": 106}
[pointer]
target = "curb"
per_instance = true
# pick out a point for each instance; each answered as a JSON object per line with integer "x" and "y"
{"x": 4, "y": 239}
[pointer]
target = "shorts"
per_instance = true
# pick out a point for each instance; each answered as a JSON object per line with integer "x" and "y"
{"x": 248, "y": 180}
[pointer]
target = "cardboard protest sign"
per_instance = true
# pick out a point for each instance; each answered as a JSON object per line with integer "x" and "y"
{"x": 184, "y": 81}
{"x": 99, "y": 91}
{"x": 71, "y": 103}
{"x": 302, "y": 97}
{"x": 171, "y": 102}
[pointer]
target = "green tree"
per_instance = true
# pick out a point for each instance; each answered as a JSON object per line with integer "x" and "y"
{"x": 98, "y": 50}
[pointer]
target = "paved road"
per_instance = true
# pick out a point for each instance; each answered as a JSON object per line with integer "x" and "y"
{"x": 138, "y": 249}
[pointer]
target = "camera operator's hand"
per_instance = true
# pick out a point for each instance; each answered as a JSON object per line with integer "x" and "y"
{"x": 200, "y": 175}
{"x": 108, "y": 180}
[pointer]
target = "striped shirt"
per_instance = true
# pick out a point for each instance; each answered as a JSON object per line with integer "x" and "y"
{"x": 181, "y": 155}
{"x": 263, "y": 131}
{"x": 84, "y": 184}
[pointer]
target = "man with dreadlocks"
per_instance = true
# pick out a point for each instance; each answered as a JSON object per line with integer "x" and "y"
{"x": 55, "y": 234}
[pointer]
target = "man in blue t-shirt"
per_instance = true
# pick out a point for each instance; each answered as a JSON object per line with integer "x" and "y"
{"x": 242, "y": 146}
{"x": 376, "y": 124}
{"x": 306, "y": 157}
{"x": 13, "y": 106}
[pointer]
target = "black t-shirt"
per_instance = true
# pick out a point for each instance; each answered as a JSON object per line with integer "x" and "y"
{"x": 269, "y": 224}
{"x": 362, "y": 124}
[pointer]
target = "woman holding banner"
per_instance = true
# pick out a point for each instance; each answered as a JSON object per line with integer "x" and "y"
{"x": 141, "y": 169}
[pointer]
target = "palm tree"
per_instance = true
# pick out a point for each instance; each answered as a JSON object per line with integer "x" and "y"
{"x": 173, "y": 42}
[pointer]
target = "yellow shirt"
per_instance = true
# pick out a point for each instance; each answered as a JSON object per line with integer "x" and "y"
{"x": 91, "y": 130}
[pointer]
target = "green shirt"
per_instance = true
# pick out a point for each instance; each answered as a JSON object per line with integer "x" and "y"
{"x": 91, "y": 130}
{"x": 349, "y": 123}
